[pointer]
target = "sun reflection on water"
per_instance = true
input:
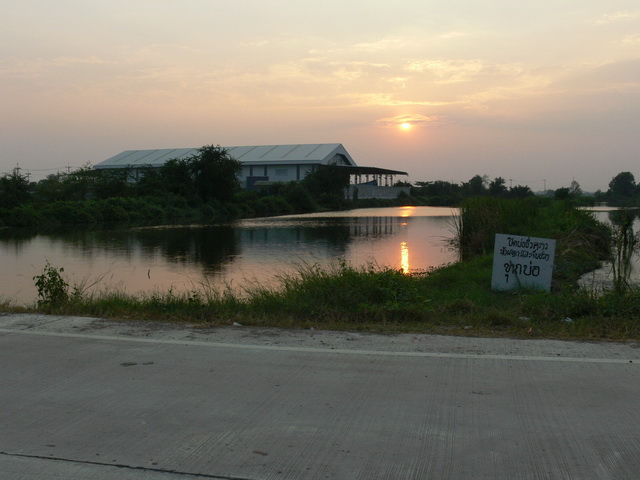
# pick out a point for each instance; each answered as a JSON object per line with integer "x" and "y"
{"x": 407, "y": 211}
{"x": 404, "y": 257}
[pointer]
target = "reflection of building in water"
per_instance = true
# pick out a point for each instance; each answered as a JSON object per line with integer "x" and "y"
{"x": 375, "y": 226}
{"x": 404, "y": 257}
{"x": 295, "y": 239}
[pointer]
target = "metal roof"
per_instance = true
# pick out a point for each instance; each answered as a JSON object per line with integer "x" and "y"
{"x": 317, "y": 153}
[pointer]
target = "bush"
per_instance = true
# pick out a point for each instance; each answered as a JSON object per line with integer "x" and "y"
{"x": 53, "y": 290}
{"x": 69, "y": 212}
{"x": 114, "y": 210}
{"x": 300, "y": 199}
{"x": 23, "y": 216}
{"x": 270, "y": 206}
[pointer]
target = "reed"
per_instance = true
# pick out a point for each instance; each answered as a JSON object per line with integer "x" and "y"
{"x": 624, "y": 245}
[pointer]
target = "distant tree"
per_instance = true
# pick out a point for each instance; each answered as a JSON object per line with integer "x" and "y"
{"x": 498, "y": 187}
{"x": 622, "y": 185}
{"x": 520, "y": 191}
{"x": 476, "y": 186}
{"x": 175, "y": 176}
{"x": 438, "y": 188}
{"x": 327, "y": 184}
{"x": 565, "y": 193}
{"x": 111, "y": 183}
{"x": 150, "y": 182}
{"x": 215, "y": 174}
{"x": 51, "y": 188}
{"x": 80, "y": 184}
{"x": 561, "y": 193}
{"x": 574, "y": 189}
{"x": 14, "y": 190}
{"x": 402, "y": 183}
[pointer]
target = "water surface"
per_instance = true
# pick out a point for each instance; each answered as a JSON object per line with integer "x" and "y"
{"x": 185, "y": 258}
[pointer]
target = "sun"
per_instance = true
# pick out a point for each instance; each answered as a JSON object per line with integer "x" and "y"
{"x": 405, "y": 126}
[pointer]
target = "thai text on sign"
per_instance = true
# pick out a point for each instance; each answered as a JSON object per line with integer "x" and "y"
{"x": 522, "y": 262}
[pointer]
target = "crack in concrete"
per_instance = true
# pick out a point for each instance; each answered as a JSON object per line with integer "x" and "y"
{"x": 123, "y": 466}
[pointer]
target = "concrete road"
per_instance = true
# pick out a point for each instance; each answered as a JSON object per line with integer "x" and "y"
{"x": 88, "y": 398}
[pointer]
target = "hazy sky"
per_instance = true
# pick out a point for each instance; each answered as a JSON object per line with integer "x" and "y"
{"x": 530, "y": 91}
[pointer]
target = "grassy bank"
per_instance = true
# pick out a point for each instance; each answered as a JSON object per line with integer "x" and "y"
{"x": 453, "y": 300}
{"x": 456, "y": 299}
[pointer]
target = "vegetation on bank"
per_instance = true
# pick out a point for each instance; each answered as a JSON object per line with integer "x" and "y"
{"x": 202, "y": 188}
{"x": 205, "y": 188}
{"x": 455, "y": 299}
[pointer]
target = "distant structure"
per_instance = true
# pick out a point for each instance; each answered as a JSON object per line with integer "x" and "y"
{"x": 267, "y": 164}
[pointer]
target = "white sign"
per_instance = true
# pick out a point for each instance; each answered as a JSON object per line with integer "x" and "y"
{"x": 522, "y": 262}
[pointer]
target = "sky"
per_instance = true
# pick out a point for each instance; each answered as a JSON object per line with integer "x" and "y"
{"x": 539, "y": 93}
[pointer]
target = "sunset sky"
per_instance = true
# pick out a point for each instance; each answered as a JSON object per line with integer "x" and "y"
{"x": 529, "y": 91}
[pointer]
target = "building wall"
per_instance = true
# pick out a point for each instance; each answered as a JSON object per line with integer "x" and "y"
{"x": 274, "y": 173}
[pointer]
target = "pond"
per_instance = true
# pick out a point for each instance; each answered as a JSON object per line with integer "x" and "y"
{"x": 196, "y": 257}
{"x": 602, "y": 278}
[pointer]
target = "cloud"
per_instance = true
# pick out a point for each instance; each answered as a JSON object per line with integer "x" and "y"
{"x": 447, "y": 71}
{"x": 453, "y": 35}
{"x": 414, "y": 119}
{"x": 382, "y": 45}
{"x": 631, "y": 39}
{"x": 388, "y": 100}
{"x": 617, "y": 17}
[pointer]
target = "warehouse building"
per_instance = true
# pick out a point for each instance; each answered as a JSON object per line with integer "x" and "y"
{"x": 266, "y": 164}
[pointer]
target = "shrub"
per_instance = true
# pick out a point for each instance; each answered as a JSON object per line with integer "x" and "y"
{"x": 53, "y": 290}
{"x": 23, "y": 216}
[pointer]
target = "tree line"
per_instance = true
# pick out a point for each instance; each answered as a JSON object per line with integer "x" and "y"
{"x": 202, "y": 187}
{"x": 205, "y": 187}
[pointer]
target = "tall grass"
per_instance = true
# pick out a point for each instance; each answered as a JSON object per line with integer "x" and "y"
{"x": 581, "y": 241}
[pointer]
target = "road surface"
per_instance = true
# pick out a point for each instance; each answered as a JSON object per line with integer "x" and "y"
{"x": 90, "y": 398}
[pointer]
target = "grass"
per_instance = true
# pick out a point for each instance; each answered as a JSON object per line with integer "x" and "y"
{"x": 456, "y": 299}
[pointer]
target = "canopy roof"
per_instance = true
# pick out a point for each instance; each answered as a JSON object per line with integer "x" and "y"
{"x": 318, "y": 153}
{"x": 355, "y": 170}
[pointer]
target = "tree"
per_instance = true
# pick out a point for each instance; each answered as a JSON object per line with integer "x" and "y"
{"x": 215, "y": 174}
{"x": 111, "y": 183}
{"x": 565, "y": 193}
{"x": 574, "y": 190}
{"x": 622, "y": 185}
{"x": 439, "y": 188}
{"x": 476, "y": 186}
{"x": 327, "y": 184}
{"x": 520, "y": 191}
{"x": 14, "y": 190}
{"x": 562, "y": 193}
{"x": 150, "y": 182}
{"x": 498, "y": 187}
{"x": 51, "y": 189}
{"x": 175, "y": 176}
